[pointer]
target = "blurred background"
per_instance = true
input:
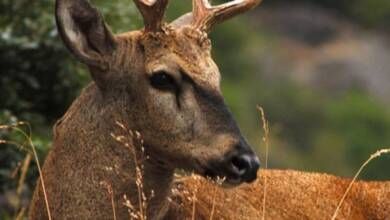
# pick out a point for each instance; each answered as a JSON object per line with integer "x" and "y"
{"x": 319, "y": 68}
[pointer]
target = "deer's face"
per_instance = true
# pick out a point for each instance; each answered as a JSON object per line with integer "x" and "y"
{"x": 168, "y": 86}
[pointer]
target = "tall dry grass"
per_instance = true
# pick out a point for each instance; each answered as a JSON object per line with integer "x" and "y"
{"x": 133, "y": 141}
{"x": 110, "y": 192}
{"x": 266, "y": 142}
{"x": 30, "y": 148}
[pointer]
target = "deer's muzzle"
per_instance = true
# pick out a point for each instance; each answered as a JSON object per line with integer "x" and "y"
{"x": 238, "y": 166}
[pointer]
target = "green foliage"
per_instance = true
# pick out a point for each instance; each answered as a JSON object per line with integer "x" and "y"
{"x": 372, "y": 12}
{"x": 364, "y": 124}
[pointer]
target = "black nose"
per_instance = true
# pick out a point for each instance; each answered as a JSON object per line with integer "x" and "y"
{"x": 245, "y": 166}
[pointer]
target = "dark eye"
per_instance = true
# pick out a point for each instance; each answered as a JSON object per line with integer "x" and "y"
{"x": 162, "y": 81}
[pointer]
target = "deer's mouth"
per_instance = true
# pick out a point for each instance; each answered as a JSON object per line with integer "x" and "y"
{"x": 222, "y": 176}
{"x": 225, "y": 180}
{"x": 231, "y": 171}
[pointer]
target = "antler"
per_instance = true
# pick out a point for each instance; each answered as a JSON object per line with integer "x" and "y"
{"x": 205, "y": 16}
{"x": 153, "y": 13}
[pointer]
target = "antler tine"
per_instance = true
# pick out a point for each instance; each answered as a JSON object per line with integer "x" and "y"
{"x": 153, "y": 13}
{"x": 206, "y": 16}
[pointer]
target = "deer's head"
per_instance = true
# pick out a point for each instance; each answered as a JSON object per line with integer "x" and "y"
{"x": 163, "y": 80}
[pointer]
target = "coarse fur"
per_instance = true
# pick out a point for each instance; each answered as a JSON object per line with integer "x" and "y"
{"x": 290, "y": 195}
{"x": 185, "y": 125}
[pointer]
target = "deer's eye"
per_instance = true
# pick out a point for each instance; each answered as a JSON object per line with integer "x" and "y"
{"x": 162, "y": 81}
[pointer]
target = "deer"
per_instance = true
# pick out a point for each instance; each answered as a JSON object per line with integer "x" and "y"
{"x": 162, "y": 83}
{"x": 159, "y": 81}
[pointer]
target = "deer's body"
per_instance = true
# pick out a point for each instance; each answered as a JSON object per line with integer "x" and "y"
{"x": 289, "y": 195}
{"x": 162, "y": 82}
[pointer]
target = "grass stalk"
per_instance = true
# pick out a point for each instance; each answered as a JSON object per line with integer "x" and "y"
{"x": 213, "y": 204}
{"x": 266, "y": 142}
{"x": 28, "y": 138}
{"x": 133, "y": 140}
{"x": 372, "y": 157}
{"x": 23, "y": 174}
{"x": 194, "y": 202}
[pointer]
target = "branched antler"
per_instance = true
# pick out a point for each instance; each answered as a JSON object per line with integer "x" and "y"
{"x": 205, "y": 16}
{"x": 153, "y": 13}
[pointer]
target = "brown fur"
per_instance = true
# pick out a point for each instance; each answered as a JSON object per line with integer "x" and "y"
{"x": 290, "y": 195}
{"x": 189, "y": 128}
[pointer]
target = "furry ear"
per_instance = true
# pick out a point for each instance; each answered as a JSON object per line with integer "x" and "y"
{"x": 84, "y": 31}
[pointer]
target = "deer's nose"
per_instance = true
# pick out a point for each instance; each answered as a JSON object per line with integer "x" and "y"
{"x": 245, "y": 165}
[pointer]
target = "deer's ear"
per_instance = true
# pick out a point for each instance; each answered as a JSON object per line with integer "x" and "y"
{"x": 84, "y": 31}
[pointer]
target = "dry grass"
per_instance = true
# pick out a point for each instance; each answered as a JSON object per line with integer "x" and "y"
{"x": 213, "y": 204}
{"x": 266, "y": 142}
{"x": 134, "y": 142}
{"x": 194, "y": 192}
{"x": 21, "y": 214}
{"x": 110, "y": 192}
{"x": 28, "y": 137}
{"x": 23, "y": 174}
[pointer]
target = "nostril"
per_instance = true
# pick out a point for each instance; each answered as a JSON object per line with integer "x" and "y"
{"x": 246, "y": 166}
{"x": 241, "y": 164}
{"x": 256, "y": 164}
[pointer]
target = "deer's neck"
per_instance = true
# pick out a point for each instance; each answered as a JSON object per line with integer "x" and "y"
{"x": 115, "y": 159}
{"x": 157, "y": 184}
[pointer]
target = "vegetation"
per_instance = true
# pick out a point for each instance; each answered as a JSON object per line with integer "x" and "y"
{"x": 311, "y": 129}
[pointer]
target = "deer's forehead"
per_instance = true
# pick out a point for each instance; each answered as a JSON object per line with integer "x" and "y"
{"x": 187, "y": 52}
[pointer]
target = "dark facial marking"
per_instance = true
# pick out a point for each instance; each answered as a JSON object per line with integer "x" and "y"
{"x": 217, "y": 114}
